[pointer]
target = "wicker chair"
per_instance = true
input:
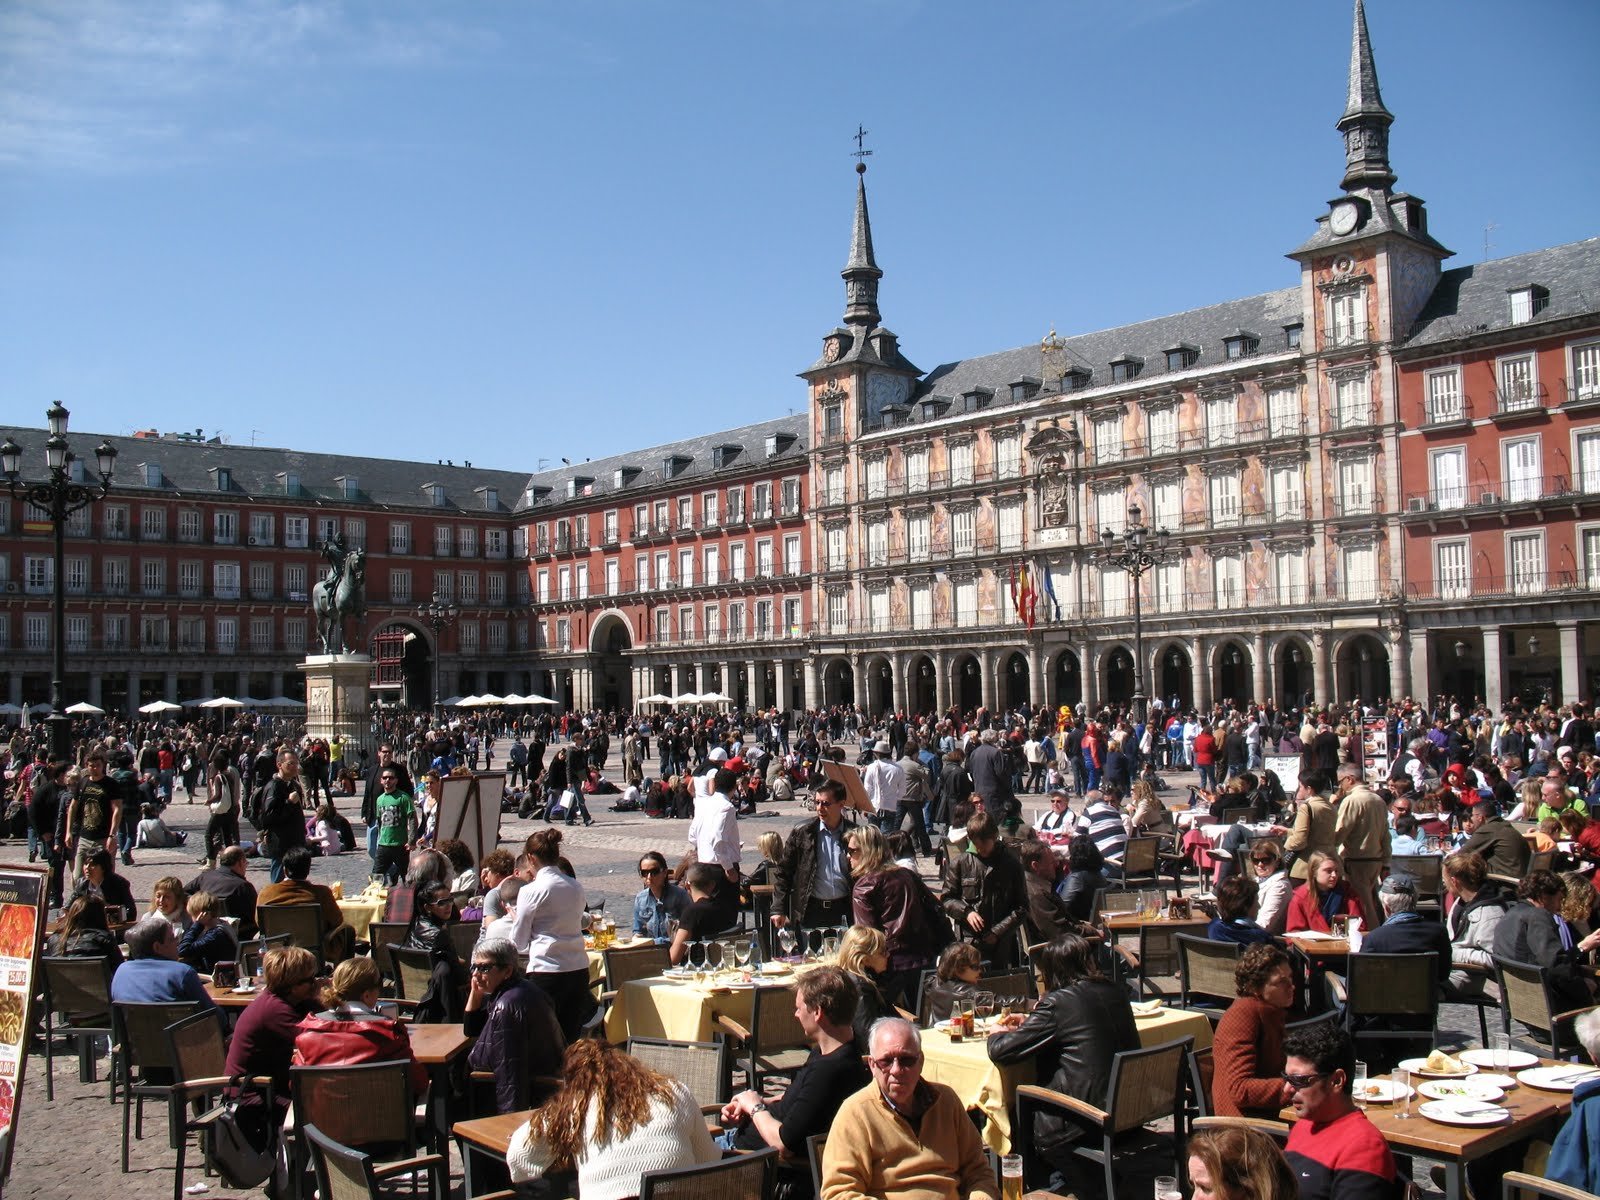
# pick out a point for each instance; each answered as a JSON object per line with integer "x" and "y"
{"x": 144, "y": 1056}
{"x": 346, "y": 1174}
{"x": 1525, "y": 996}
{"x": 78, "y": 991}
{"x": 1205, "y": 972}
{"x": 1202, "y": 1073}
{"x": 1141, "y": 863}
{"x": 368, "y": 1106}
{"x": 1327, "y": 1018}
{"x": 740, "y": 1177}
{"x": 413, "y": 972}
{"x": 301, "y": 922}
{"x": 1146, "y": 1086}
{"x": 1278, "y": 1131}
{"x": 705, "y": 1068}
{"x": 775, "y": 1044}
{"x": 253, "y": 950}
{"x": 465, "y": 936}
{"x": 1009, "y": 985}
{"x": 625, "y": 964}
{"x": 1158, "y": 955}
{"x": 1384, "y": 992}
{"x": 1517, "y": 1186}
{"x": 1428, "y": 871}
{"x": 1108, "y": 901}
{"x": 381, "y": 935}
{"x": 199, "y": 1060}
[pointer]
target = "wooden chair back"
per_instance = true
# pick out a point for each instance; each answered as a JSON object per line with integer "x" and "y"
{"x": 1515, "y": 1185}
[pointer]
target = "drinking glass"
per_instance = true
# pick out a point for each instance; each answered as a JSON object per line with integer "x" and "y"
{"x": 741, "y": 952}
{"x": 830, "y": 943}
{"x": 1360, "y": 1085}
{"x": 1500, "y": 1048}
{"x": 1167, "y": 1188}
{"x": 1339, "y": 926}
{"x": 1011, "y": 1177}
{"x": 1403, "y": 1109}
{"x": 786, "y": 940}
{"x": 983, "y": 1006}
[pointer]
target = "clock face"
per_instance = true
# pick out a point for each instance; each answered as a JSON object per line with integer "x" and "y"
{"x": 1343, "y": 218}
{"x": 830, "y": 349}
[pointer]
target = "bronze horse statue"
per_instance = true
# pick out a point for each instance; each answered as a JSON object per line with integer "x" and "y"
{"x": 342, "y": 594}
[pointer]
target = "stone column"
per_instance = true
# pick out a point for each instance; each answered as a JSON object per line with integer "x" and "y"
{"x": 813, "y": 684}
{"x": 899, "y": 691}
{"x": 699, "y": 679}
{"x": 277, "y": 683}
{"x": 1400, "y": 661}
{"x": 1571, "y": 662}
{"x": 1260, "y": 676}
{"x": 134, "y": 682}
{"x": 1199, "y": 675}
{"x": 988, "y": 662}
{"x": 94, "y": 689}
{"x": 1492, "y": 685}
{"x": 780, "y": 683}
{"x": 1321, "y": 692}
{"x": 1035, "y": 677}
{"x": 941, "y": 680}
{"x": 858, "y": 680}
{"x": 752, "y": 684}
{"x": 14, "y": 690}
{"x": 207, "y": 685}
{"x": 169, "y": 688}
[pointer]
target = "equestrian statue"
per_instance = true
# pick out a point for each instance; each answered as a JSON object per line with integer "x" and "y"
{"x": 342, "y": 594}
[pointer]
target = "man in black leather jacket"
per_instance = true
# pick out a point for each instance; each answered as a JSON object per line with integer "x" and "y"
{"x": 985, "y": 892}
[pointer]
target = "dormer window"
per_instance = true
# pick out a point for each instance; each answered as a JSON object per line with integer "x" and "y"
{"x": 1183, "y": 355}
{"x": 349, "y": 486}
{"x": 152, "y": 475}
{"x": 224, "y": 478}
{"x": 1024, "y": 389}
{"x": 1291, "y": 336}
{"x": 1528, "y": 302}
{"x": 291, "y": 483}
{"x": 491, "y": 498}
{"x": 579, "y": 485}
{"x": 934, "y": 409}
{"x": 779, "y": 443}
{"x": 436, "y": 494}
{"x": 1125, "y": 368}
{"x": 721, "y": 456}
{"x": 676, "y": 464}
{"x": 1075, "y": 379}
{"x": 1241, "y": 344}
{"x": 977, "y": 399}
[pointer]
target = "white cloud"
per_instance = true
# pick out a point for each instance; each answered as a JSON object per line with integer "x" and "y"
{"x": 122, "y": 84}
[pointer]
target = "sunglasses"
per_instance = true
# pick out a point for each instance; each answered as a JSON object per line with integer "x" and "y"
{"x": 852, "y": 849}
{"x": 646, "y": 872}
{"x": 1298, "y": 1082}
{"x": 1263, "y": 862}
{"x": 889, "y": 1061}
{"x": 483, "y": 968}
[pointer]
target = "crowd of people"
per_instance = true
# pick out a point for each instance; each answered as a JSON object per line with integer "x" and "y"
{"x": 941, "y": 798}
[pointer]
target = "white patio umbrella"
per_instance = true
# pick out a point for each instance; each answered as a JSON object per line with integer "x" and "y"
{"x": 222, "y": 702}
{"x": 715, "y": 698}
{"x": 84, "y": 708}
{"x": 469, "y": 702}
{"x": 535, "y": 698}
{"x": 513, "y": 700}
{"x": 283, "y": 702}
{"x": 38, "y": 708}
{"x": 453, "y": 702}
{"x": 686, "y": 698}
{"x": 655, "y": 698}
{"x": 160, "y": 706}
{"x": 10, "y": 710}
{"x": 489, "y": 700}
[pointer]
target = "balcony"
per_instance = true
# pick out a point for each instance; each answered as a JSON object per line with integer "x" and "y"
{"x": 1518, "y": 585}
{"x": 1523, "y": 400}
{"x": 1447, "y": 412}
{"x": 1353, "y": 418}
{"x": 1478, "y": 498}
{"x": 1584, "y": 393}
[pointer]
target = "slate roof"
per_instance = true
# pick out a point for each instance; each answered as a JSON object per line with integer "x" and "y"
{"x": 1264, "y": 316}
{"x": 651, "y": 461}
{"x": 1474, "y": 300}
{"x": 187, "y": 467}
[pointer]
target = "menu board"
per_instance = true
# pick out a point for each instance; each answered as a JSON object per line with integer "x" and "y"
{"x": 1375, "y": 750}
{"x": 22, "y": 894}
{"x": 1287, "y": 768}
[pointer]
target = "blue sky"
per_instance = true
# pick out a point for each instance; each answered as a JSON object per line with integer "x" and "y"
{"x": 509, "y": 231}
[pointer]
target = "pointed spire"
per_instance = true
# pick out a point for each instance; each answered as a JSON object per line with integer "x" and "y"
{"x": 1365, "y": 123}
{"x": 861, "y": 273}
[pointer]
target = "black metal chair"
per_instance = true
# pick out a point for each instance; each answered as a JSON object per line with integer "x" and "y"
{"x": 1158, "y": 955}
{"x": 739, "y": 1177}
{"x": 1526, "y": 997}
{"x": 1205, "y": 973}
{"x": 143, "y": 1055}
{"x": 369, "y": 1106}
{"x": 1387, "y": 999}
{"x": 346, "y": 1174}
{"x": 78, "y": 991}
{"x": 301, "y": 922}
{"x": 199, "y": 1057}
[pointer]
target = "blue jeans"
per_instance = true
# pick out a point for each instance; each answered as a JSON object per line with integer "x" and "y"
{"x": 372, "y": 842}
{"x": 1208, "y": 776}
{"x": 275, "y": 870}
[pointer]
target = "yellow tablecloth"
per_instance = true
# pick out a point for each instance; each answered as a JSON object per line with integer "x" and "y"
{"x": 361, "y": 912}
{"x": 683, "y": 1012}
{"x": 990, "y": 1088}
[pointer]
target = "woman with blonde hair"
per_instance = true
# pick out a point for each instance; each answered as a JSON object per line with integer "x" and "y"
{"x": 1145, "y": 812}
{"x": 613, "y": 1120}
{"x": 1237, "y": 1162}
{"x": 168, "y": 901}
{"x": 863, "y": 955}
{"x": 1324, "y": 895}
{"x": 891, "y": 898}
{"x": 350, "y": 1029}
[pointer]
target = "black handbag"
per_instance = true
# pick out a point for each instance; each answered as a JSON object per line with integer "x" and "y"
{"x": 241, "y": 1163}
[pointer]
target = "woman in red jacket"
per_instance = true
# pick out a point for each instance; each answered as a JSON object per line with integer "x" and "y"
{"x": 1248, "y": 1049}
{"x": 1322, "y": 897}
{"x": 351, "y": 1030}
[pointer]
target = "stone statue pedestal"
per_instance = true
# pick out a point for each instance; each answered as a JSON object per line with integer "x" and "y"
{"x": 338, "y": 700}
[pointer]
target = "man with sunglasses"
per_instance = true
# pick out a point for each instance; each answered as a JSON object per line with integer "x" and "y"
{"x": 811, "y": 887}
{"x": 901, "y": 1135}
{"x": 1334, "y": 1151}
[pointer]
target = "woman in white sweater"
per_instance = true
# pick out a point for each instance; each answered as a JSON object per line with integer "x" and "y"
{"x": 613, "y": 1120}
{"x": 1273, "y": 884}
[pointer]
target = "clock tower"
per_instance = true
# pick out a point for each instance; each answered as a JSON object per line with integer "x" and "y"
{"x": 861, "y": 370}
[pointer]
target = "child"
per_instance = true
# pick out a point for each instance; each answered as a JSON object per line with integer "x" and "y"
{"x": 327, "y": 832}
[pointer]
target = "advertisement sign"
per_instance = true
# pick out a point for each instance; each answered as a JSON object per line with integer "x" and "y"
{"x": 469, "y": 810}
{"x": 1375, "y": 756}
{"x": 22, "y": 912}
{"x": 1287, "y": 769}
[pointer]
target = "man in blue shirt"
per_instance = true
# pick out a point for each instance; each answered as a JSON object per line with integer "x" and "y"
{"x": 1575, "y": 1154}
{"x": 153, "y": 974}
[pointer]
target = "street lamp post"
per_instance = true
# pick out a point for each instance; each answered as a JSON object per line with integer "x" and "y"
{"x": 1135, "y": 552}
{"x": 438, "y": 614}
{"x": 58, "y": 497}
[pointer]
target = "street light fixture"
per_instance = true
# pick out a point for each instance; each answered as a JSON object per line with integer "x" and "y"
{"x": 1135, "y": 551}
{"x": 438, "y": 614}
{"x": 58, "y": 497}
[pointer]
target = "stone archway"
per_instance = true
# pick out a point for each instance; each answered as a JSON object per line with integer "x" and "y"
{"x": 1232, "y": 673}
{"x": 610, "y": 640}
{"x": 923, "y": 684}
{"x": 402, "y": 664}
{"x": 1175, "y": 677}
{"x": 967, "y": 683}
{"x": 1014, "y": 681}
{"x": 1067, "y": 679}
{"x": 1361, "y": 669}
{"x": 1294, "y": 673}
{"x": 1118, "y": 681}
{"x": 838, "y": 683}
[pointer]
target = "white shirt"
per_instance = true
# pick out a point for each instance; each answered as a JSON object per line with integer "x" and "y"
{"x": 549, "y": 923}
{"x": 714, "y": 831}
{"x": 885, "y": 782}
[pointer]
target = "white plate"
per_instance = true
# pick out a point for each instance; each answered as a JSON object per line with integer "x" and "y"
{"x": 1460, "y": 1089}
{"x": 1494, "y": 1079}
{"x": 1508, "y": 1060}
{"x": 1463, "y": 1112}
{"x": 1419, "y": 1066}
{"x": 1558, "y": 1079}
{"x": 1383, "y": 1091}
{"x": 243, "y": 991}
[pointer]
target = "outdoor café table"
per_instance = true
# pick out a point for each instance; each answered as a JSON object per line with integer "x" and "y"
{"x": 488, "y": 1136}
{"x": 437, "y": 1047}
{"x": 681, "y": 1009}
{"x": 990, "y": 1088}
{"x": 360, "y": 912}
{"x": 597, "y": 958}
{"x": 226, "y": 997}
{"x": 1322, "y": 954}
{"x": 1533, "y": 1113}
{"x": 1119, "y": 923}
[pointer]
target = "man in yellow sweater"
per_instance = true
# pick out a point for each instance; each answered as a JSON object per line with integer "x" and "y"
{"x": 901, "y": 1137}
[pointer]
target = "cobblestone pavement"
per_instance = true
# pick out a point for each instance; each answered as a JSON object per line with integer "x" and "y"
{"x": 70, "y": 1146}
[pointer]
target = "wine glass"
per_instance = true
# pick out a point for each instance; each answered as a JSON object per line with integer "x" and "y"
{"x": 786, "y": 940}
{"x": 830, "y": 943}
{"x": 1360, "y": 1086}
{"x": 741, "y": 952}
{"x": 983, "y": 1007}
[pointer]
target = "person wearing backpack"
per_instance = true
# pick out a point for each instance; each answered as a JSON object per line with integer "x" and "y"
{"x": 224, "y": 789}
{"x": 283, "y": 817}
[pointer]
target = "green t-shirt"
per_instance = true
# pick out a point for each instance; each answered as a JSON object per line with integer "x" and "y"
{"x": 395, "y": 813}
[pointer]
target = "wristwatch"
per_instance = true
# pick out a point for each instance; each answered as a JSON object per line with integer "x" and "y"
{"x": 758, "y": 1106}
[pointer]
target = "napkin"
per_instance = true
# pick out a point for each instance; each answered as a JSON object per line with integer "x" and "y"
{"x": 1146, "y": 1008}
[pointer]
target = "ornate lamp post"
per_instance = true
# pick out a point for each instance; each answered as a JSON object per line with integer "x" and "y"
{"x": 1135, "y": 552}
{"x": 58, "y": 497}
{"x": 438, "y": 614}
